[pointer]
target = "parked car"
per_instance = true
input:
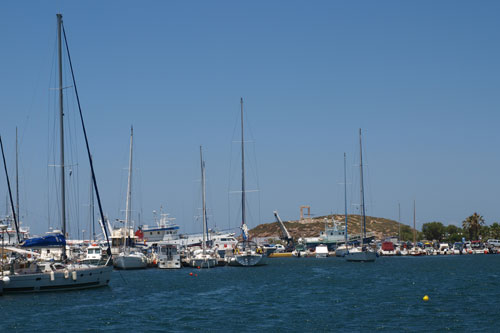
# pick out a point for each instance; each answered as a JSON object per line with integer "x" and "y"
{"x": 494, "y": 242}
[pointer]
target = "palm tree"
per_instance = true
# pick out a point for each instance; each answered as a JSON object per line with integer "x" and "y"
{"x": 472, "y": 225}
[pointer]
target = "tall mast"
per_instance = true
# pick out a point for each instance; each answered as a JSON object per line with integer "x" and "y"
{"x": 345, "y": 201}
{"x": 129, "y": 186}
{"x": 17, "y": 178}
{"x": 361, "y": 185}
{"x": 242, "y": 168}
{"x": 414, "y": 226}
{"x": 61, "y": 127}
{"x": 399, "y": 221}
{"x": 91, "y": 208}
{"x": 204, "y": 209}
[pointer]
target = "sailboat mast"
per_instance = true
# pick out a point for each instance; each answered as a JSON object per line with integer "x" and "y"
{"x": 91, "y": 209}
{"x": 399, "y": 221}
{"x": 345, "y": 200}
{"x": 361, "y": 185}
{"x": 129, "y": 186}
{"x": 204, "y": 212}
{"x": 242, "y": 168}
{"x": 414, "y": 226}
{"x": 17, "y": 177}
{"x": 61, "y": 128}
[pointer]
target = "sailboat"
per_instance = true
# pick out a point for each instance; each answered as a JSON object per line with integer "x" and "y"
{"x": 415, "y": 251}
{"x": 342, "y": 250}
{"x": 129, "y": 258}
{"x": 361, "y": 253}
{"x": 246, "y": 251}
{"x": 26, "y": 274}
{"x": 204, "y": 257}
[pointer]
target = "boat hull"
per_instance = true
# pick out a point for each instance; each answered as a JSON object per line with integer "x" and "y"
{"x": 131, "y": 261}
{"x": 361, "y": 256}
{"x": 77, "y": 277}
{"x": 170, "y": 263}
{"x": 254, "y": 259}
{"x": 203, "y": 262}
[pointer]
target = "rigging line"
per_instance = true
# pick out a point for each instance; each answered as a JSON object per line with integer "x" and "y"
{"x": 103, "y": 219}
{"x": 10, "y": 194}
{"x": 50, "y": 130}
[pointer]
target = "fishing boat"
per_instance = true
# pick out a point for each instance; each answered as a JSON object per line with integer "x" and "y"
{"x": 204, "y": 257}
{"x": 321, "y": 251}
{"x": 246, "y": 251}
{"x": 94, "y": 255}
{"x": 168, "y": 257}
{"x": 300, "y": 250}
{"x": 27, "y": 274}
{"x": 163, "y": 230}
{"x": 361, "y": 253}
{"x": 129, "y": 257}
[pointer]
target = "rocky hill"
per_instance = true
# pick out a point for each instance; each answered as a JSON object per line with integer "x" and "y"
{"x": 312, "y": 227}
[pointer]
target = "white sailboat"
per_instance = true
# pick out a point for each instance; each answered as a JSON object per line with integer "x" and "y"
{"x": 361, "y": 253}
{"x": 26, "y": 274}
{"x": 203, "y": 258}
{"x": 129, "y": 258}
{"x": 246, "y": 252}
{"x": 342, "y": 250}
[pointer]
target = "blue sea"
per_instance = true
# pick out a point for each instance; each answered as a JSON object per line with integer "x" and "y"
{"x": 288, "y": 295}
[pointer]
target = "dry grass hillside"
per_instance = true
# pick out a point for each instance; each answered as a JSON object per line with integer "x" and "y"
{"x": 312, "y": 227}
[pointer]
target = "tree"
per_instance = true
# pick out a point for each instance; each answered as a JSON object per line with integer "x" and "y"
{"x": 484, "y": 232}
{"x": 472, "y": 225}
{"x": 495, "y": 230}
{"x": 433, "y": 230}
{"x": 453, "y": 233}
{"x": 406, "y": 233}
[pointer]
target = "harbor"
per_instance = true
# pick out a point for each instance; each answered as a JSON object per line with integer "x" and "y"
{"x": 304, "y": 294}
{"x": 249, "y": 166}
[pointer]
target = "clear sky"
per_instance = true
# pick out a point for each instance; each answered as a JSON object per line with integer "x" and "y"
{"x": 421, "y": 78}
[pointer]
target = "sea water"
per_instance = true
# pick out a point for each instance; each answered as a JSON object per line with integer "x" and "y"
{"x": 288, "y": 294}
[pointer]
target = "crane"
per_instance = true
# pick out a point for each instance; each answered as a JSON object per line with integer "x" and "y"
{"x": 285, "y": 235}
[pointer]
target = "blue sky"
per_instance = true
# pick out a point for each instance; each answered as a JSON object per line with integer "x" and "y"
{"x": 420, "y": 78}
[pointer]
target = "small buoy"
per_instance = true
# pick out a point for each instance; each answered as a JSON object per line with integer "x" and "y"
{"x": 73, "y": 275}
{"x": 52, "y": 277}
{"x": 196, "y": 275}
{"x": 425, "y": 298}
{"x": 6, "y": 279}
{"x": 191, "y": 274}
{"x": 198, "y": 267}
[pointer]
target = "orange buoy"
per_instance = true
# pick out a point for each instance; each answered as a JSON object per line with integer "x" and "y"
{"x": 198, "y": 267}
{"x": 191, "y": 274}
{"x": 196, "y": 275}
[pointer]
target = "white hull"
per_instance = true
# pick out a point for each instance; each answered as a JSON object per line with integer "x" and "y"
{"x": 173, "y": 263}
{"x": 321, "y": 251}
{"x": 130, "y": 261}
{"x": 361, "y": 256}
{"x": 253, "y": 259}
{"x": 203, "y": 262}
{"x": 75, "y": 277}
{"x": 341, "y": 251}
